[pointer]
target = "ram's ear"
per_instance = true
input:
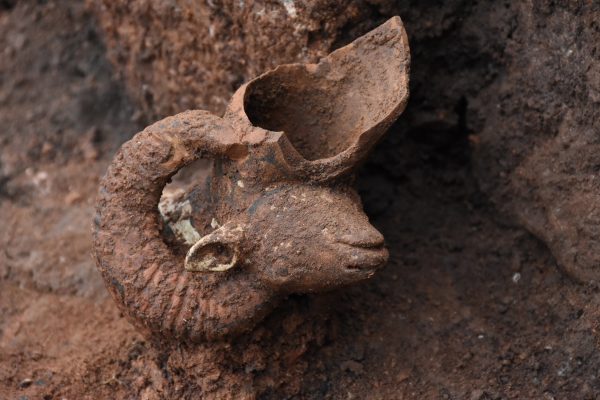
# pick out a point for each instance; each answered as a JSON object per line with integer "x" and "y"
{"x": 216, "y": 252}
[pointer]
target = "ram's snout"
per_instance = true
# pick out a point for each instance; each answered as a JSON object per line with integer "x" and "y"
{"x": 367, "y": 238}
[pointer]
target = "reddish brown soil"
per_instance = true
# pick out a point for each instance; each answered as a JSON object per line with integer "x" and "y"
{"x": 469, "y": 307}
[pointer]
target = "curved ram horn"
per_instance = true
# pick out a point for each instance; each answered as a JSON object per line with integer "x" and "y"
{"x": 143, "y": 274}
{"x": 332, "y": 113}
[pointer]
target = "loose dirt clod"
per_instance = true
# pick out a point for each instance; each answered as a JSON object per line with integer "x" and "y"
{"x": 289, "y": 220}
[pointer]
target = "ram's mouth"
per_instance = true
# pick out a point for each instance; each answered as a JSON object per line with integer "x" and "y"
{"x": 367, "y": 259}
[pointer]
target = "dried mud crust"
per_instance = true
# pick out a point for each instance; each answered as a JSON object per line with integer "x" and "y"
{"x": 537, "y": 151}
{"x": 467, "y": 308}
{"x": 178, "y": 55}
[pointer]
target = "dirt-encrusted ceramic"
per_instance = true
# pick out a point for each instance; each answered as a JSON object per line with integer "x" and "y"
{"x": 277, "y": 216}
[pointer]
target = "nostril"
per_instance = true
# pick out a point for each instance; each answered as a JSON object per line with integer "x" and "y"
{"x": 366, "y": 239}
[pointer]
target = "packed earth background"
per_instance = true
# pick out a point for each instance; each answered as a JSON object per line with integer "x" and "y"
{"x": 486, "y": 190}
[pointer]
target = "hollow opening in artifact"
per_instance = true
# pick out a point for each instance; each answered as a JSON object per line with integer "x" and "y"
{"x": 321, "y": 116}
{"x": 184, "y": 207}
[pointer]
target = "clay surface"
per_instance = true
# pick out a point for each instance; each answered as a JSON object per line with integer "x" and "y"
{"x": 288, "y": 222}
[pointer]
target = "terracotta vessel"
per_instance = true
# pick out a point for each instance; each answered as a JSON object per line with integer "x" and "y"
{"x": 277, "y": 216}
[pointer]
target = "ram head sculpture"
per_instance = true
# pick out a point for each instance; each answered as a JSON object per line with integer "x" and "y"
{"x": 277, "y": 216}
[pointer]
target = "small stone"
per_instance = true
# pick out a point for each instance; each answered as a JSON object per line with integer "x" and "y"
{"x": 477, "y": 394}
{"x": 352, "y": 366}
{"x": 18, "y": 41}
{"x": 72, "y": 197}
{"x": 26, "y": 383}
{"x": 46, "y": 148}
{"x": 137, "y": 116}
{"x": 404, "y": 375}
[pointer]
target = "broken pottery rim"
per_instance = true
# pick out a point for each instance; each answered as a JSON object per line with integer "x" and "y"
{"x": 328, "y": 168}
